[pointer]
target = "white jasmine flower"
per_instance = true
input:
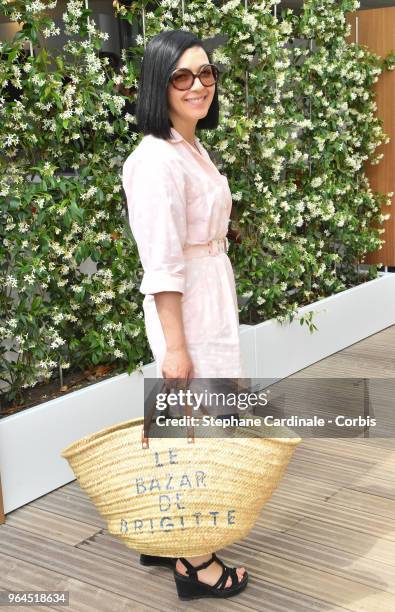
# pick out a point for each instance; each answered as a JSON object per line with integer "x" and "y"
{"x": 267, "y": 152}
{"x": 250, "y": 20}
{"x": 237, "y": 196}
{"x": 229, "y": 6}
{"x": 11, "y": 281}
{"x": 90, "y": 193}
{"x": 57, "y": 342}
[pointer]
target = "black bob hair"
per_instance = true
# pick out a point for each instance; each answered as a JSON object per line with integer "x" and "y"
{"x": 160, "y": 58}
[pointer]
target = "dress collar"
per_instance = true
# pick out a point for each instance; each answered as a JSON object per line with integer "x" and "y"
{"x": 203, "y": 155}
{"x": 176, "y": 136}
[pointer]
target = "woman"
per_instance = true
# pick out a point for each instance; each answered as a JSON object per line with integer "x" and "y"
{"x": 179, "y": 207}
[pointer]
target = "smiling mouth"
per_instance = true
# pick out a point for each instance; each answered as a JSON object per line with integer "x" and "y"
{"x": 197, "y": 100}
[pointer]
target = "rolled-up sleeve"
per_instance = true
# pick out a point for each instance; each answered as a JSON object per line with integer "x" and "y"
{"x": 157, "y": 218}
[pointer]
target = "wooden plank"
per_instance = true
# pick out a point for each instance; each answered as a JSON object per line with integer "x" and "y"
{"x": 376, "y": 31}
{"x": 368, "y": 483}
{"x": 372, "y": 357}
{"x": 354, "y": 468}
{"x": 293, "y": 503}
{"x": 317, "y": 583}
{"x": 89, "y": 569}
{"x": 17, "y": 575}
{"x": 77, "y": 507}
{"x": 385, "y": 469}
{"x": 57, "y": 555}
{"x": 371, "y": 443}
{"x": 351, "y": 464}
{"x": 364, "y": 501}
{"x": 271, "y": 596}
{"x": 278, "y": 518}
{"x": 55, "y": 527}
{"x": 335, "y": 475}
{"x": 371, "y": 484}
{"x": 337, "y": 561}
{"x": 82, "y": 573}
{"x": 324, "y": 541}
{"x": 73, "y": 488}
{"x": 341, "y": 469}
{"x": 351, "y": 518}
{"x": 343, "y": 365}
{"x": 342, "y": 538}
{"x": 384, "y": 443}
{"x": 306, "y": 487}
{"x": 355, "y": 448}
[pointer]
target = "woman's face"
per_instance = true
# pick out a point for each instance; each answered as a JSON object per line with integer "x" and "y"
{"x": 180, "y": 103}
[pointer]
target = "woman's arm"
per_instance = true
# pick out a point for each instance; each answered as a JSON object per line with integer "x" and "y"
{"x": 155, "y": 193}
{"x": 168, "y": 305}
{"x": 177, "y": 362}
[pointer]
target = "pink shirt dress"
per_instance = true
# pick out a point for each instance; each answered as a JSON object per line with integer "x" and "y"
{"x": 177, "y": 197}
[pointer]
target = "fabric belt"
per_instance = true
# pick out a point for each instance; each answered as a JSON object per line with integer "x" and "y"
{"x": 213, "y": 247}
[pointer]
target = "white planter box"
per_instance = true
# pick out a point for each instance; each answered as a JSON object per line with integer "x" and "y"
{"x": 31, "y": 441}
{"x": 342, "y": 319}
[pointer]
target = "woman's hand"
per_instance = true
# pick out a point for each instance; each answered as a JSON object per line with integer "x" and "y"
{"x": 177, "y": 364}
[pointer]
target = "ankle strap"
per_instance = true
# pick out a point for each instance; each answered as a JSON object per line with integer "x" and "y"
{"x": 192, "y": 570}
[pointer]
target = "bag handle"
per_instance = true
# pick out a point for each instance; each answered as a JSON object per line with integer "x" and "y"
{"x": 188, "y": 412}
{"x": 148, "y": 420}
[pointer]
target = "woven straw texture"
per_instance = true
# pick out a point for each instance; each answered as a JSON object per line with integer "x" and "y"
{"x": 177, "y": 498}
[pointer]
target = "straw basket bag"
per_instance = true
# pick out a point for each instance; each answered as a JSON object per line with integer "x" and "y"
{"x": 181, "y": 496}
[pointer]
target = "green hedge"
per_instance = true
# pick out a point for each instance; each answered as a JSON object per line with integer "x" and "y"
{"x": 297, "y": 125}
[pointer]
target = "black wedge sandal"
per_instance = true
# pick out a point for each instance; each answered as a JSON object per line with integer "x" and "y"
{"x": 169, "y": 562}
{"x": 189, "y": 587}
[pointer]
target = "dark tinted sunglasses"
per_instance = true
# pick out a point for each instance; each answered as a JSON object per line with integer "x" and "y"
{"x": 183, "y": 78}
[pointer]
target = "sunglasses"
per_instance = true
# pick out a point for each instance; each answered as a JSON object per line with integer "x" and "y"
{"x": 183, "y": 78}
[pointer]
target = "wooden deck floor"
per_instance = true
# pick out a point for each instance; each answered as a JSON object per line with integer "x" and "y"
{"x": 324, "y": 542}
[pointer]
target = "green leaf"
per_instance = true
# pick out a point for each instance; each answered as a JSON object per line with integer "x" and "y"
{"x": 118, "y": 247}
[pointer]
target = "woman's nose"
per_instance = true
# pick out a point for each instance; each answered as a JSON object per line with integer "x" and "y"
{"x": 197, "y": 86}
